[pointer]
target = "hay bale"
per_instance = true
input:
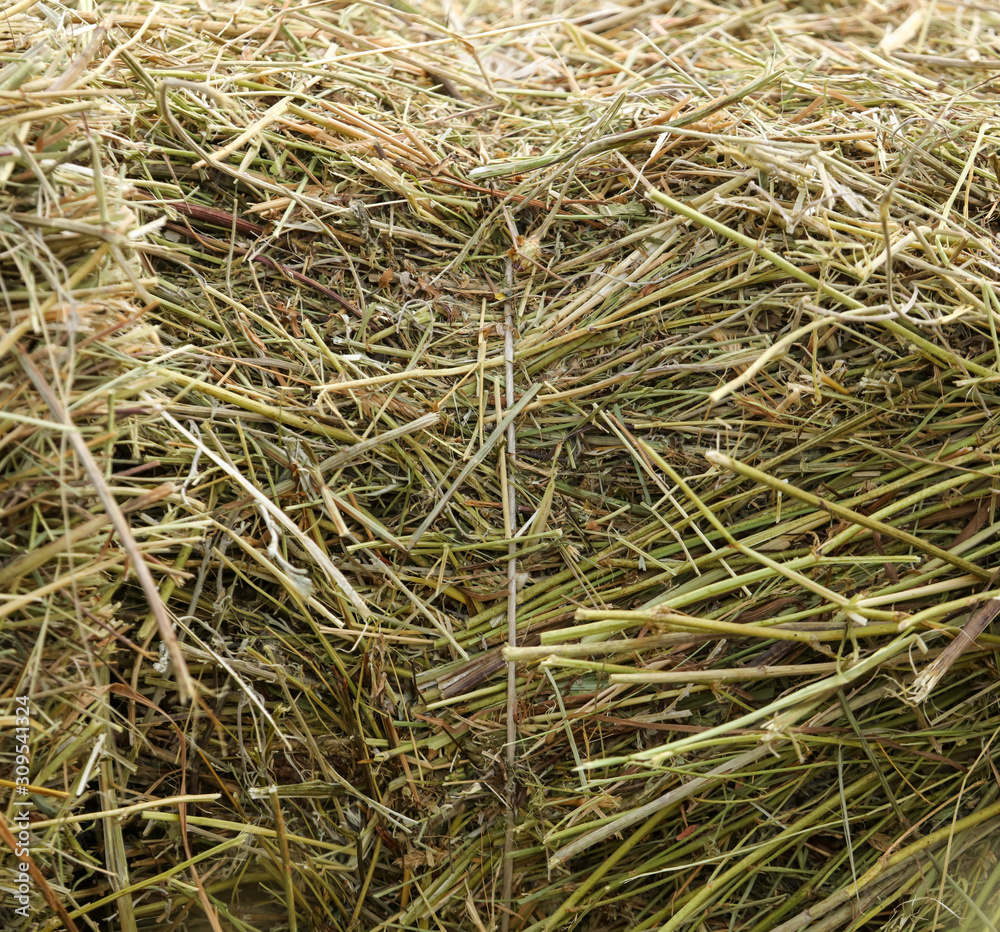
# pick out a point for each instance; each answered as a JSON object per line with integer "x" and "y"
{"x": 527, "y": 470}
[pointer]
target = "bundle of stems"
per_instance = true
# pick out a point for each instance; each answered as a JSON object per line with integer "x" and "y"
{"x": 520, "y": 467}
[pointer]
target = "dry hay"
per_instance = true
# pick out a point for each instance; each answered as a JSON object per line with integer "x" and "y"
{"x": 330, "y": 328}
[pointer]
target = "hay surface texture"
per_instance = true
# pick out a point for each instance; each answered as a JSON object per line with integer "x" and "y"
{"x": 384, "y": 382}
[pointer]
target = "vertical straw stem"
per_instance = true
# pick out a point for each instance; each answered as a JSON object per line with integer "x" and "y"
{"x": 510, "y": 503}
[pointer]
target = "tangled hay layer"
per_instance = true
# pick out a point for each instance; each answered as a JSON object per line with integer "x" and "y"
{"x": 379, "y": 383}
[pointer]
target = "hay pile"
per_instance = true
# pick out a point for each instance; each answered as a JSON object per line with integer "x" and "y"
{"x": 382, "y": 382}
